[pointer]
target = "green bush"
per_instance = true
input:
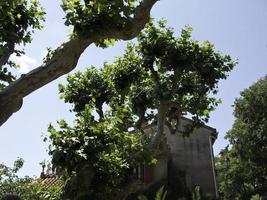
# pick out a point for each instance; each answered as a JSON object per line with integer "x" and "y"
{"x": 256, "y": 197}
{"x": 161, "y": 195}
{"x": 24, "y": 187}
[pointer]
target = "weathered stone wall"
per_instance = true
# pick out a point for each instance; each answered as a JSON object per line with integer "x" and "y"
{"x": 192, "y": 155}
{"x": 161, "y": 170}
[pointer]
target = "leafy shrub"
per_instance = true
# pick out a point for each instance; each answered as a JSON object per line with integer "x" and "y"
{"x": 161, "y": 195}
{"x": 24, "y": 187}
{"x": 256, "y": 197}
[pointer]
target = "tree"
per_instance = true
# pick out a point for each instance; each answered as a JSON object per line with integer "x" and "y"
{"x": 12, "y": 186}
{"x": 18, "y": 21}
{"x": 97, "y": 22}
{"x": 159, "y": 79}
{"x": 246, "y": 171}
{"x": 235, "y": 178}
{"x": 97, "y": 158}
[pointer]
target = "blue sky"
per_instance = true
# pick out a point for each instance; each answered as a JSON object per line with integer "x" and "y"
{"x": 238, "y": 28}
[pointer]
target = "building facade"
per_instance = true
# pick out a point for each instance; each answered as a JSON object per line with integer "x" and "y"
{"x": 190, "y": 159}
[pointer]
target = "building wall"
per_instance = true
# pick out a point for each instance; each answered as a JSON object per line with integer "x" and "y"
{"x": 161, "y": 170}
{"x": 194, "y": 156}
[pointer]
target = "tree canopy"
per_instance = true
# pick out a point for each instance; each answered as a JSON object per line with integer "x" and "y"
{"x": 18, "y": 20}
{"x": 90, "y": 21}
{"x": 158, "y": 79}
{"x": 243, "y": 167}
{"x": 172, "y": 75}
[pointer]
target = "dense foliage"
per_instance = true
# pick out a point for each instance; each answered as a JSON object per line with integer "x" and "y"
{"x": 243, "y": 167}
{"x": 96, "y": 156}
{"x": 180, "y": 73}
{"x": 18, "y": 20}
{"x": 161, "y": 76}
{"x": 100, "y": 22}
{"x": 89, "y": 17}
{"x": 26, "y": 188}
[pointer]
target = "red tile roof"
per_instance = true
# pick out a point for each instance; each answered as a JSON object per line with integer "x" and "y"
{"x": 50, "y": 181}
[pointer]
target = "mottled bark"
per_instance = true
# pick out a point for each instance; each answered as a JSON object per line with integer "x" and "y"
{"x": 162, "y": 111}
{"x": 64, "y": 60}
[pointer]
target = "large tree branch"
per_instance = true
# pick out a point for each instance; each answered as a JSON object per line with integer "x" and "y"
{"x": 137, "y": 23}
{"x": 64, "y": 60}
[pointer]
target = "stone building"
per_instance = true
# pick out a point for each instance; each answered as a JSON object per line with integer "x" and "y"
{"x": 189, "y": 159}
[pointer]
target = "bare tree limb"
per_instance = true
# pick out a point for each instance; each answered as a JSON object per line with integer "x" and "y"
{"x": 64, "y": 60}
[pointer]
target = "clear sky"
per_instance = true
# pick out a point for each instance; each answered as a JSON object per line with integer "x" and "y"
{"x": 238, "y": 28}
